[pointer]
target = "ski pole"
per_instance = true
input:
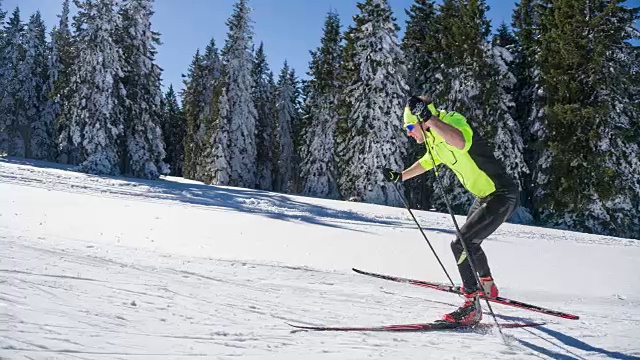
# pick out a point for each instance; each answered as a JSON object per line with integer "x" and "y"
{"x": 406, "y": 205}
{"x": 455, "y": 223}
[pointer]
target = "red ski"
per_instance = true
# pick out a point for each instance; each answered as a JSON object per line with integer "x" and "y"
{"x": 456, "y": 290}
{"x": 434, "y": 326}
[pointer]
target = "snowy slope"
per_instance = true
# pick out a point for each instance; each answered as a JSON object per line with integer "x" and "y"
{"x": 111, "y": 268}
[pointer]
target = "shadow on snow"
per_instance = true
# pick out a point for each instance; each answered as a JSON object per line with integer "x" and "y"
{"x": 269, "y": 204}
{"x": 572, "y": 342}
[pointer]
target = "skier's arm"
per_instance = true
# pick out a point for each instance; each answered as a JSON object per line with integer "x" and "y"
{"x": 414, "y": 170}
{"x": 450, "y": 134}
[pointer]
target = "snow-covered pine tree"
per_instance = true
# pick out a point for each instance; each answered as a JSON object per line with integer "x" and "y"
{"x": 275, "y": 152}
{"x": 142, "y": 151}
{"x": 37, "y": 134}
{"x": 618, "y": 86}
{"x": 95, "y": 109}
{"x": 173, "y": 129}
{"x": 68, "y": 151}
{"x": 527, "y": 91}
{"x": 262, "y": 89}
{"x": 238, "y": 62}
{"x": 504, "y": 38}
{"x": 52, "y": 105}
{"x": 297, "y": 128}
{"x": 318, "y": 165}
{"x": 3, "y": 15}
{"x": 211, "y": 73}
{"x": 504, "y": 131}
{"x": 61, "y": 58}
{"x": 476, "y": 82}
{"x": 375, "y": 97}
{"x": 10, "y": 115}
{"x": 463, "y": 43}
{"x": 219, "y": 167}
{"x": 4, "y": 137}
{"x": 589, "y": 181}
{"x": 421, "y": 45}
{"x": 286, "y": 111}
{"x": 193, "y": 103}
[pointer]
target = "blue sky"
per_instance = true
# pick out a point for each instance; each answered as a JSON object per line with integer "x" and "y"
{"x": 288, "y": 28}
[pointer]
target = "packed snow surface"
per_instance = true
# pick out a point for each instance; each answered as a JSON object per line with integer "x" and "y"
{"x": 98, "y": 267}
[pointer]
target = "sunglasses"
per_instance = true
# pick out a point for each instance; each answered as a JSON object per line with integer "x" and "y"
{"x": 410, "y": 127}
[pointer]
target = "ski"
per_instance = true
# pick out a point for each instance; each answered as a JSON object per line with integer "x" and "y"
{"x": 434, "y": 326}
{"x": 456, "y": 290}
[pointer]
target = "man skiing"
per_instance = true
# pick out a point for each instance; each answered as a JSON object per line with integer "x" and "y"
{"x": 451, "y": 140}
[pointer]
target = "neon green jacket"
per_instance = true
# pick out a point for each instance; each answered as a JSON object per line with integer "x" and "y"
{"x": 475, "y": 165}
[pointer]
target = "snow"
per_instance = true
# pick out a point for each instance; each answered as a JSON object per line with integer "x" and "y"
{"x": 98, "y": 267}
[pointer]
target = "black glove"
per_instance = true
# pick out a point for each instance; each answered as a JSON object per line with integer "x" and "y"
{"x": 418, "y": 107}
{"x": 392, "y": 175}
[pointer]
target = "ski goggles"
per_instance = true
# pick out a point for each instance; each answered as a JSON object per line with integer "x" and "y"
{"x": 410, "y": 120}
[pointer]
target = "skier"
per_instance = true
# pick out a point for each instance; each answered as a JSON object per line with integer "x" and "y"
{"x": 454, "y": 143}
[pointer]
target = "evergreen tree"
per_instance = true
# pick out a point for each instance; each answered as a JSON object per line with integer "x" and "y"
{"x": 527, "y": 91}
{"x": 262, "y": 95}
{"x": 193, "y": 105}
{"x": 142, "y": 151}
{"x": 211, "y": 77}
{"x": 297, "y": 128}
{"x": 12, "y": 118}
{"x": 4, "y": 68}
{"x": 219, "y": 167}
{"x": 504, "y": 131}
{"x": 95, "y": 110}
{"x": 173, "y": 129}
{"x": 422, "y": 49}
{"x": 242, "y": 115}
{"x": 275, "y": 152}
{"x": 526, "y": 25}
{"x": 318, "y": 164}
{"x": 475, "y": 80}
{"x": 3, "y": 15}
{"x": 504, "y": 38}
{"x": 464, "y": 33}
{"x": 589, "y": 179}
{"x": 618, "y": 85}
{"x": 61, "y": 59}
{"x": 37, "y": 133}
{"x": 375, "y": 98}
{"x": 52, "y": 105}
{"x": 287, "y": 114}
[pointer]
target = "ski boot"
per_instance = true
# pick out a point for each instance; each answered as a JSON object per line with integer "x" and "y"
{"x": 489, "y": 287}
{"x": 469, "y": 314}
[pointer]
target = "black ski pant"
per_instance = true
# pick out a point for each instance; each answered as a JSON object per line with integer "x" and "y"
{"x": 485, "y": 216}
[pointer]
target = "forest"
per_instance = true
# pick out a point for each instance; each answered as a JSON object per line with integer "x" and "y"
{"x": 556, "y": 93}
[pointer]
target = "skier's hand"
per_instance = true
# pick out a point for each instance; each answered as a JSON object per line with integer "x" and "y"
{"x": 418, "y": 107}
{"x": 392, "y": 175}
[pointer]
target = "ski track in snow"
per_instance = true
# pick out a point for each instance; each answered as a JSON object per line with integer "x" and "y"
{"x": 81, "y": 294}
